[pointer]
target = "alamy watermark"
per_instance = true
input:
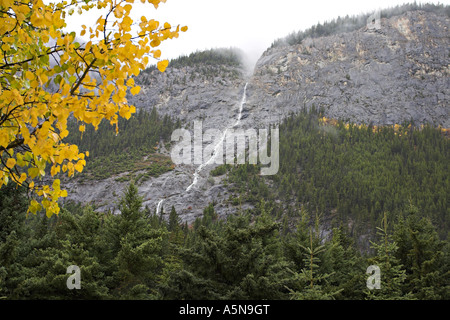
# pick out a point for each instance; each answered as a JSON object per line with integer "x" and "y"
{"x": 374, "y": 21}
{"x": 74, "y": 281}
{"x": 208, "y": 147}
{"x": 374, "y": 280}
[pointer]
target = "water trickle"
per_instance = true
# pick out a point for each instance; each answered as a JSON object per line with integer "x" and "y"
{"x": 158, "y": 208}
{"x": 216, "y": 148}
{"x": 220, "y": 143}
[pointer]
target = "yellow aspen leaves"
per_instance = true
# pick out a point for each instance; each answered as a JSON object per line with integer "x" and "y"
{"x": 95, "y": 70}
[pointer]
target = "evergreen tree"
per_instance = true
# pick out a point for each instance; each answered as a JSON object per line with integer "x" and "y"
{"x": 393, "y": 274}
{"x": 13, "y": 205}
{"x": 310, "y": 280}
{"x": 174, "y": 220}
{"x": 45, "y": 256}
{"x": 136, "y": 248}
{"x": 235, "y": 260}
{"x": 344, "y": 265}
{"x": 421, "y": 252}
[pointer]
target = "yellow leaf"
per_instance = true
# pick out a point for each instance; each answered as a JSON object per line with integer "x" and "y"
{"x": 80, "y": 165}
{"x": 22, "y": 178}
{"x": 162, "y": 65}
{"x": 130, "y": 82}
{"x": 64, "y": 134}
{"x": 157, "y": 54}
{"x": 127, "y": 7}
{"x": 29, "y": 75}
{"x": 124, "y": 112}
{"x": 56, "y": 184}
{"x": 54, "y": 170}
{"x": 34, "y": 207}
{"x": 20, "y": 160}
{"x": 155, "y": 43}
{"x": 184, "y": 29}
{"x": 135, "y": 90}
{"x": 11, "y": 163}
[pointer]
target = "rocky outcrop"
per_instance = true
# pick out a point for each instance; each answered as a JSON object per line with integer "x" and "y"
{"x": 202, "y": 92}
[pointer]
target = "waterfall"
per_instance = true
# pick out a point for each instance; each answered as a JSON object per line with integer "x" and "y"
{"x": 216, "y": 148}
{"x": 158, "y": 208}
{"x": 220, "y": 143}
{"x": 241, "y": 107}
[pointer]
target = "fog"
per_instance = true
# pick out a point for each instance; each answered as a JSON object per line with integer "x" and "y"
{"x": 251, "y": 25}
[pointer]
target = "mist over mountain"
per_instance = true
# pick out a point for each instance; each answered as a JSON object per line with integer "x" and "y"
{"x": 353, "y": 23}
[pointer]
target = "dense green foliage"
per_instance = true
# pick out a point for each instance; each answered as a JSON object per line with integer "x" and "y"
{"x": 352, "y": 174}
{"x": 352, "y": 23}
{"x": 133, "y": 148}
{"x": 303, "y": 238}
{"x": 138, "y": 255}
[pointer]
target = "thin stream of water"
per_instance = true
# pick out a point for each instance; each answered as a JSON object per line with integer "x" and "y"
{"x": 215, "y": 152}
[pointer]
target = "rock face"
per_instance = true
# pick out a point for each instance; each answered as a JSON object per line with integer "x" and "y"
{"x": 388, "y": 75}
{"x": 205, "y": 93}
{"x": 393, "y": 74}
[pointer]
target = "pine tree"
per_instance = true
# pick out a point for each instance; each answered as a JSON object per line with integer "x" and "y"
{"x": 345, "y": 265}
{"x": 174, "y": 220}
{"x": 292, "y": 244}
{"x": 198, "y": 277}
{"x": 310, "y": 280}
{"x": 13, "y": 230}
{"x": 136, "y": 248}
{"x": 53, "y": 246}
{"x": 172, "y": 246}
{"x": 422, "y": 253}
{"x": 393, "y": 274}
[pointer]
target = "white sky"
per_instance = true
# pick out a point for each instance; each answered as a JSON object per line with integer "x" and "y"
{"x": 251, "y": 25}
